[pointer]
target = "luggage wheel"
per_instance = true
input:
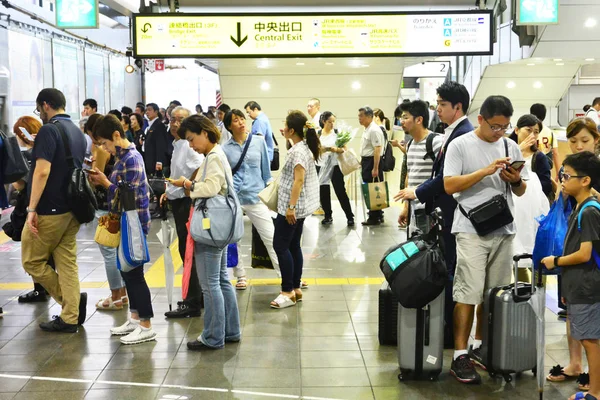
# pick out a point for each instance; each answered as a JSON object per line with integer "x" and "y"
{"x": 400, "y": 377}
{"x": 507, "y": 378}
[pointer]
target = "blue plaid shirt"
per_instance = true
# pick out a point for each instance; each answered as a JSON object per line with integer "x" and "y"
{"x": 129, "y": 167}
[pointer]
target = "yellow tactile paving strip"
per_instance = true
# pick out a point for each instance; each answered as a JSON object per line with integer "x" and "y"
{"x": 155, "y": 276}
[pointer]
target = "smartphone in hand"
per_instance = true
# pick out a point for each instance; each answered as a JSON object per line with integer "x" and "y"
{"x": 517, "y": 165}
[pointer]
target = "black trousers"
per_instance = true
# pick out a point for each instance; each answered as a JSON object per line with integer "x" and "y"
{"x": 339, "y": 186}
{"x": 138, "y": 293}
{"x": 367, "y": 164}
{"x": 181, "y": 214}
{"x": 449, "y": 249}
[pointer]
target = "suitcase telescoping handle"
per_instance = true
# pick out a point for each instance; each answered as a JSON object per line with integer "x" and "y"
{"x": 518, "y": 298}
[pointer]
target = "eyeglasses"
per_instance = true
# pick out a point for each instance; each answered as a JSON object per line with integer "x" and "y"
{"x": 36, "y": 112}
{"x": 498, "y": 128}
{"x": 566, "y": 177}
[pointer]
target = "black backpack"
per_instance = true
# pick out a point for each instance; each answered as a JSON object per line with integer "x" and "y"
{"x": 428, "y": 154}
{"x": 80, "y": 196}
{"x": 388, "y": 161}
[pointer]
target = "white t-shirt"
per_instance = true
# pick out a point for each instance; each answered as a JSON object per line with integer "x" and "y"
{"x": 593, "y": 114}
{"x": 372, "y": 137}
{"x": 467, "y": 154}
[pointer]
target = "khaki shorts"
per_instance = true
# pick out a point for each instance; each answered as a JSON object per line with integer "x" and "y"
{"x": 483, "y": 262}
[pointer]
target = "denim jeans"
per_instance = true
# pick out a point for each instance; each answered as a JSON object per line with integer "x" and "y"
{"x": 287, "y": 246}
{"x": 140, "y": 300}
{"x": 115, "y": 281}
{"x": 221, "y": 315}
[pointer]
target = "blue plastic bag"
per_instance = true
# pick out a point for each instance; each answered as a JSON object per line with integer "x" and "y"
{"x": 232, "y": 255}
{"x": 550, "y": 237}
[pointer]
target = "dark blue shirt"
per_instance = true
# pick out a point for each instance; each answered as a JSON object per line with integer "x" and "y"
{"x": 48, "y": 145}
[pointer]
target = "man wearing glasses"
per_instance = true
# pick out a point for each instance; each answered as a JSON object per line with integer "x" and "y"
{"x": 478, "y": 167}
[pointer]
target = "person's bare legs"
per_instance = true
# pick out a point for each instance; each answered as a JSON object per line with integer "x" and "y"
{"x": 575, "y": 366}
{"x": 592, "y": 351}
{"x": 463, "y": 322}
{"x": 479, "y": 326}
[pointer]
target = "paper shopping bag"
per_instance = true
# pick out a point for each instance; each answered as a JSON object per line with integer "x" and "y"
{"x": 376, "y": 195}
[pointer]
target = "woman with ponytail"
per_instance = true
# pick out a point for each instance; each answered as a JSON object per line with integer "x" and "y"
{"x": 298, "y": 198}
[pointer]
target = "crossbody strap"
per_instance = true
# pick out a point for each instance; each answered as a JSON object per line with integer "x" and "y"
{"x": 244, "y": 151}
{"x": 66, "y": 144}
{"x": 462, "y": 210}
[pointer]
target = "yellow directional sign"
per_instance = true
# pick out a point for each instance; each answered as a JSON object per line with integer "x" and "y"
{"x": 312, "y": 35}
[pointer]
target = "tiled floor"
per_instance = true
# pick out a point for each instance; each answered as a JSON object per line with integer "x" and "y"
{"x": 326, "y": 347}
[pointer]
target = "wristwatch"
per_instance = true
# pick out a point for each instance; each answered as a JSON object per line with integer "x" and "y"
{"x": 556, "y": 261}
{"x": 516, "y": 184}
{"x": 30, "y": 210}
{"x": 292, "y": 207}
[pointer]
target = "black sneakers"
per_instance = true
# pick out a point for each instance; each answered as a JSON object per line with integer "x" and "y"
{"x": 58, "y": 325}
{"x": 327, "y": 221}
{"x": 82, "y": 308}
{"x": 463, "y": 370}
{"x": 184, "y": 310}
{"x": 33, "y": 297}
{"x": 372, "y": 222}
{"x": 476, "y": 357}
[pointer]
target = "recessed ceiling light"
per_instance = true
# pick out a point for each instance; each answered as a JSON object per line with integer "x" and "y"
{"x": 264, "y": 64}
{"x": 590, "y": 23}
{"x": 590, "y": 59}
{"x": 356, "y": 85}
{"x": 560, "y": 64}
{"x": 299, "y": 63}
{"x": 355, "y": 63}
{"x": 537, "y": 85}
{"x": 531, "y": 65}
{"x": 129, "y": 69}
{"x": 329, "y": 63}
{"x": 265, "y": 86}
{"x": 558, "y": 59}
{"x": 510, "y": 84}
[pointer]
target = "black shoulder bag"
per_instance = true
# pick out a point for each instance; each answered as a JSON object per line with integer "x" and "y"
{"x": 493, "y": 214}
{"x": 244, "y": 151}
{"x": 275, "y": 161}
{"x": 80, "y": 197}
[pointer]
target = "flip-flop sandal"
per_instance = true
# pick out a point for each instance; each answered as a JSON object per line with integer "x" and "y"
{"x": 298, "y": 294}
{"x": 242, "y": 284}
{"x": 303, "y": 285}
{"x": 282, "y": 301}
{"x": 125, "y": 300}
{"x": 583, "y": 382}
{"x": 111, "y": 304}
{"x": 557, "y": 374}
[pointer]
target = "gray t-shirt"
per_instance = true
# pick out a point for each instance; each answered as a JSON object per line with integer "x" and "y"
{"x": 580, "y": 283}
{"x": 469, "y": 153}
{"x": 420, "y": 164}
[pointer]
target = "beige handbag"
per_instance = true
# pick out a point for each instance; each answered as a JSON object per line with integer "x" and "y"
{"x": 348, "y": 162}
{"x": 108, "y": 231}
{"x": 270, "y": 194}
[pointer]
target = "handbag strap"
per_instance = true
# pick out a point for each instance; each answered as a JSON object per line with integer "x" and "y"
{"x": 66, "y": 144}
{"x": 244, "y": 151}
{"x": 462, "y": 210}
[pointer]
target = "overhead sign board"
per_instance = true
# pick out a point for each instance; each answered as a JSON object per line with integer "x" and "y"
{"x": 74, "y": 14}
{"x": 313, "y": 35}
{"x": 537, "y": 12}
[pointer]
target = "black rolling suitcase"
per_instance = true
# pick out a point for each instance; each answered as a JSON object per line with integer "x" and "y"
{"x": 388, "y": 316}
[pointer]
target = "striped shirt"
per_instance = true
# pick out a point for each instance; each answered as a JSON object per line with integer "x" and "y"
{"x": 420, "y": 165}
{"x": 308, "y": 202}
{"x": 129, "y": 167}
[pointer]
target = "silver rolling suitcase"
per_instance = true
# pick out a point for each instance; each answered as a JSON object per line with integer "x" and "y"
{"x": 421, "y": 340}
{"x": 509, "y": 332}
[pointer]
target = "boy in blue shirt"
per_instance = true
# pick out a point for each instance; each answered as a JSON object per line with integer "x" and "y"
{"x": 580, "y": 271}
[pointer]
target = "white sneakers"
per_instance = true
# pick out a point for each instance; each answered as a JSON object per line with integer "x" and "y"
{"x": 139, "y": 335}
{"x": 126, "y": 328}
{"x": 135, "y": 333}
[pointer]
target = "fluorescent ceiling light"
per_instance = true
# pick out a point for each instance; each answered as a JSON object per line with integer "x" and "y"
{"x": 560, "y": 64}
{"x": 558, "y": 59}
{"x": 265, "y": 86}
{"x": 299, "y": 63}
{"x": 590, "y": 23}
{"x": 531, "y": 65}
{"x": 329, "y": 63}
{"x": 510, "y": 84}
{"x": 365, "y": 66}
{"x": 590, "y": 59}
{"x": 356, "y": 85}
{"x": 537, "y": 85}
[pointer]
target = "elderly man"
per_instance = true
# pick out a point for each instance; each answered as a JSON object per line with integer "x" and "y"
{"x": 314, "y": 110}
{"x": 372, "y": 144}
{"x": 183, "y": 163}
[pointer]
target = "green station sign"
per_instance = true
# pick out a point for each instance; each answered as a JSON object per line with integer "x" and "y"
{"x": 74, "y": 14}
